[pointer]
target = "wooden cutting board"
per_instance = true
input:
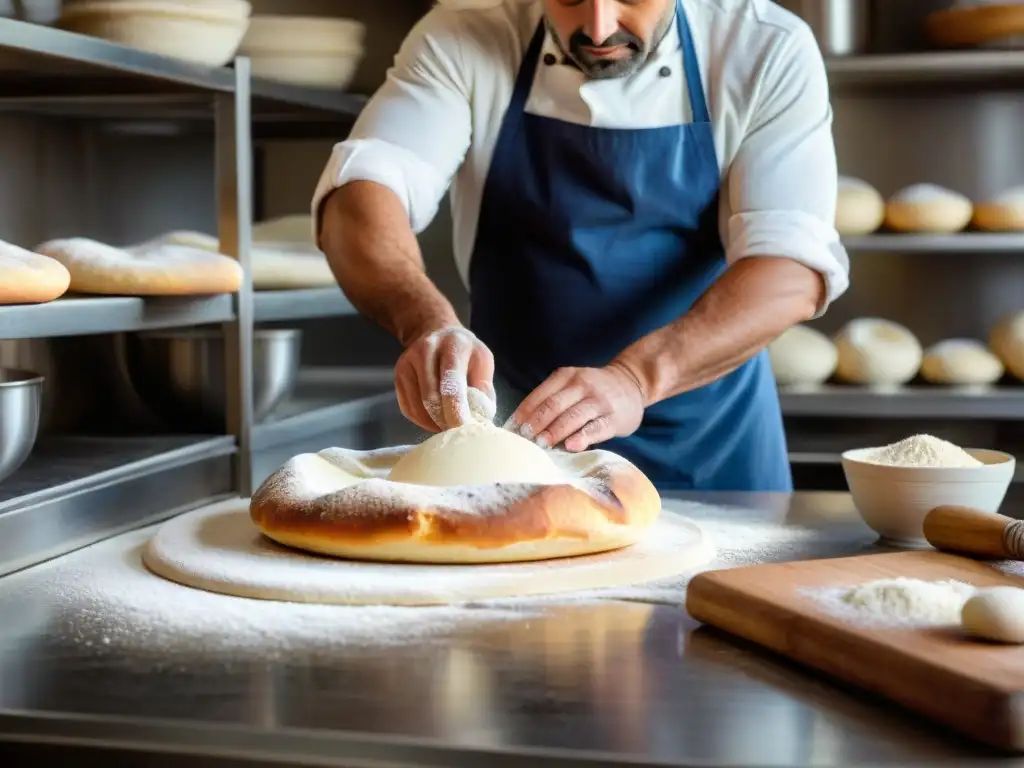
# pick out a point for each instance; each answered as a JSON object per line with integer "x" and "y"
{"x": 972, "y": 686}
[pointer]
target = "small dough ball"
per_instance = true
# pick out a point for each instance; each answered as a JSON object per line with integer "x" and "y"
{"x": 928, "y": 208}
{"x": 476, "y": 454}
{"x": 1002, "y": 213}
{"x": 802, "y": 356}
{"x": 1007, "y": 340}
{"x": 995, "y": 613}
{"x": 960, "y": 361}
{"x": 877, "y": 352}
{"x": 860, "y": 208}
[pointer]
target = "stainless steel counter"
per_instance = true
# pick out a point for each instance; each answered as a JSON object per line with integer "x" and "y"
{"x": 576, "y": 682}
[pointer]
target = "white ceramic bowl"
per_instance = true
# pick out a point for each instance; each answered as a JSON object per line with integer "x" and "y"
{"x": 894, "y": 500}
{"x": 329, "y": 70}
{"x": 193, "y": 33}
{"x": 308, "y": 34}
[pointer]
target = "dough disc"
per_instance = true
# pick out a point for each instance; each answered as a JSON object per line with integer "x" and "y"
{"x": 218, "y": 549}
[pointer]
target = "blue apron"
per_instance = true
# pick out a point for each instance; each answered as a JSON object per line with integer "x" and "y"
{"x": 590, "y": 238}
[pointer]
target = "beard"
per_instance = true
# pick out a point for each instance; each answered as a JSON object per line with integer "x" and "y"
{"x": 600, "y": 67}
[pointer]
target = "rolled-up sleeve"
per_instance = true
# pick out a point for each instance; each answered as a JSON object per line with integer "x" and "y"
{"x": 783, "y": 179}
{"x": 414, "y": 132}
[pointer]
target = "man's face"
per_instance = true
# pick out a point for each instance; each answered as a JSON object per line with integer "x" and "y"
{"x": 608, "y": 38}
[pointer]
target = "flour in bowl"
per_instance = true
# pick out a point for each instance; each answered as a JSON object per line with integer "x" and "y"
{"x": 921, "y": 451}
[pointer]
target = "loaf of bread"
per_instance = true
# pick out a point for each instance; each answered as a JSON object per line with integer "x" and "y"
{"x": 1007, "y": 340}
{"x": 279, "y": 265}
{"x": 928, "y": 208}
{"x": 802, "y": 356}
{"x": 30, "y": 278}
{"x": 960, "y": 362}
{"x": 473, "y": 494}
{"x": 860, "y": 209}
{"x": 1001, "y": 213}
{"x": 877, "y": 352}
{"x": 167, "y": 270}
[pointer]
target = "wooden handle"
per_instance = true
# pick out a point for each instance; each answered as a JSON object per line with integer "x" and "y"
{"x": 973, "y": 532}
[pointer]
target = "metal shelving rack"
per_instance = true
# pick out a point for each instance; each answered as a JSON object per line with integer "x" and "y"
{"x": 73, "y": 491}
{"x": 990, "y": 69}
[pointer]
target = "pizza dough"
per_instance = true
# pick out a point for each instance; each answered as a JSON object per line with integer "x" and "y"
{"x": 30, "y": 278}
{"x": 341, "y": 502}
{"x": 1007, "y": 340}
{"x": 1002, "y": 213}
{"x": 928, "y": 208}
{"x": 802, "y": 356}
{"x": 275, "y": 266}
{"x": 995, "y": 613}
{"x": 167, "y": 270}
{"x": 877, "y": 352}
{"x": 960, "y": 361}
{"x": 860, "y": 209}
{"x": 218, "y": 549}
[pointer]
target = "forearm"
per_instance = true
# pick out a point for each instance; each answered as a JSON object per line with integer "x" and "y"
{"x": 376, "y": 260}
{"x": 752, "y": 303}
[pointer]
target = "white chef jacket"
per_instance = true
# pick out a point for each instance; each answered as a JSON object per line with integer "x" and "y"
{"x": 434, "y": 123}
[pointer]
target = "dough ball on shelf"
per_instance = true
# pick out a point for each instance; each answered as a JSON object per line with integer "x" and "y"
{"x": 860, "y": 209}
{"x": 928, "y": 208}
{"x": 30, "y": 278}
{"x": 960, "y": 361}
{"x": 165, "y": 270}
{"x": 1007, "y": 340}
{"x": 995, "y": 613}
{"x": 1001, "y": 213}
{"x": 802, "y": 356}
{"x": 877, "y": 352}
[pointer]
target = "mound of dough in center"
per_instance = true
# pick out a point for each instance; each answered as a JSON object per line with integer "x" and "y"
{"x": 476, "y": 454}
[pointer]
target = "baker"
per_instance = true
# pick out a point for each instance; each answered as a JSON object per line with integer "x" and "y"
{"x": 643, "y": 195}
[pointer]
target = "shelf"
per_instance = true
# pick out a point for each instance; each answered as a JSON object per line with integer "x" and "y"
{"x": 968, "y": 242}
{"x": 74, "y": 491}
{"x": 44, "y": 69}
{"x": 308, "y": 416}
{"x": 982, "y": 68}
{"x": 910, "y": 402}
{"x": 300, "y": 304}
{"x": 101, "y": 314}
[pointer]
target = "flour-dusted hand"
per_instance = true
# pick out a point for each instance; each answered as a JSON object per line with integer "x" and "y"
{"x": 434, "y": 374}
{"x": 579, "y": 407}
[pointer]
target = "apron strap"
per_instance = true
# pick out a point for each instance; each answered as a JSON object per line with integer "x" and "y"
{"x": 527, "y": 71}
{"x": 691, "y": 66}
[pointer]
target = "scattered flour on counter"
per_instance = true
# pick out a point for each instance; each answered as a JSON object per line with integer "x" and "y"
{"x": 105, "y": 600}
{"x": 897, "y": 602}
{"x": 104, "y": 597}
{"x": 921, "y": 451}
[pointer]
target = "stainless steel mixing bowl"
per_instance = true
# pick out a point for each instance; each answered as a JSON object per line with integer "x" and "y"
{"x": 181, "y": 374}
{"x": 21, "y": 400}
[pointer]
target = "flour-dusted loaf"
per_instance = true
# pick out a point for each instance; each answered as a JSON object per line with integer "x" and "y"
{"x": 802, "y": 356}
{"x": 284, "y": 265}
{"x": 962, "y": 362}
{"x": 928, "y": 208}
{"x": 167, "y": 270}
{"x": 30, "y": 278}
{"x": 874, "y": 351}
{"x": 503, "y": 505}
{"x": 1006, "y": 339}
{"x": 1001, "y": 213}
{"x": 860, "y": 208}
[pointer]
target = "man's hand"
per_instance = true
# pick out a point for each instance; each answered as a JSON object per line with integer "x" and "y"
{"x": 581, "y": 407}
{"x": 434, "y": 373}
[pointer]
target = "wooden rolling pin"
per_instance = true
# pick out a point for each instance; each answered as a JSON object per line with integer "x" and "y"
{"x": 973, "y": 532}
